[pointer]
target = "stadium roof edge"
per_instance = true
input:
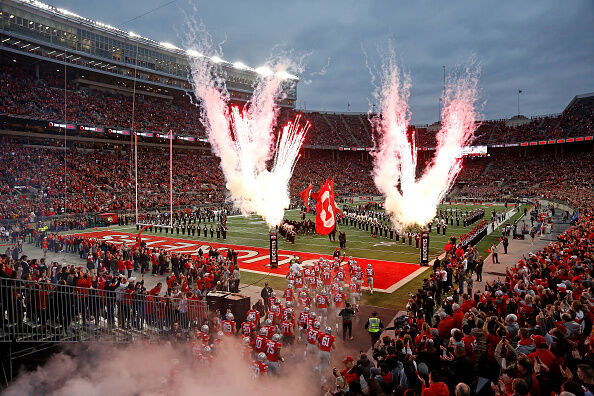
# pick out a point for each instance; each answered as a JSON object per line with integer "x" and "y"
{"x": 576, "y": 97}
{"x": 163, "y": 46}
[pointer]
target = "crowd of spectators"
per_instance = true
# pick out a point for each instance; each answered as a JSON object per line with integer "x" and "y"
{"x": 527, "y": 333}
{"x": 38, "y": 180}
{"x": 542, "y": 175}
{"x": 44, "y": 98}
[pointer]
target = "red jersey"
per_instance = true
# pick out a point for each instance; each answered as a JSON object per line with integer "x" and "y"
{"x": 255, "y": 314}
{"x": 298, "y": 283}
{"x": 354, "y": 287}
{"x": 304, "y": 301}
{"x": 312, "y": 336}
{"x": 259, "y": 368}
{"x": 273, "y": 316}
{"x": 309, "y": 322}
{"x": 339, "y": 299}
{"x": 228, "y": 326}
{"x": 303, "y": 316}
{"x": 335, "y": 287}
{"x": 248, "y": 328}
{"x": 259, "y": 343}
{"x": 275, "y": 308}
{"x": 269, "y": 330}
{"x": 288, "y": 294}
{"x": 272, "y": 347}
{"x": 322, "y": 301}
{"x": 202, "y": 336}
{"x": 469, "y": 345}
{"x": 327, "y": 278}
{"x": 369, "y": 272}
{"x": 326, "y": 341}
{"x": 287, "y": 327}
{"x": 340, "y": 276}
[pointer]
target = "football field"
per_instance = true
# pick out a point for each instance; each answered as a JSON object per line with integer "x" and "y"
{"x": 395, "y": 263}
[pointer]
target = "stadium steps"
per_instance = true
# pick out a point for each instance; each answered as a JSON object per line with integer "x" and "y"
{"x": 338, "y": 135}
{"x": 348, "y": 128}
{"x": 487, "y": 168}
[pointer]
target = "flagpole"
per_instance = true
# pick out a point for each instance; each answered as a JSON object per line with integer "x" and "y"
{"x": 171, "y": 178}
{"x": 519, "y": 92}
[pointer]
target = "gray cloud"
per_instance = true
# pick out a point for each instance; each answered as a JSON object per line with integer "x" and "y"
{"x": 545, "y": 48}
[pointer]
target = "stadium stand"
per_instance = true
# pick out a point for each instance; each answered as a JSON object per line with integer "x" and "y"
{"x": 43, "y": 99}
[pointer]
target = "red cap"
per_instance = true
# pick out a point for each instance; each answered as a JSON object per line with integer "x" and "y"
{"x": 539, "y": 341}
{"x": 348, "y": 359}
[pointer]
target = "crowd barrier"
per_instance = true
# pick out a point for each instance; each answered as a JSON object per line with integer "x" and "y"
{"x": 48, "y": 312}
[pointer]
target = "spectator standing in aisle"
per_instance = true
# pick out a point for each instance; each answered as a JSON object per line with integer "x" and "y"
{"x": 374, "y": 327}
{"x": 494, "y": 255}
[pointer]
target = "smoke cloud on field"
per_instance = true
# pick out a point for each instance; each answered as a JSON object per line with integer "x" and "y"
{"x": 163, "y": 369}
{"x": 409, "y": 200}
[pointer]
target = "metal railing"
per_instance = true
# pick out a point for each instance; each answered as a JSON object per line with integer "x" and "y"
{"x": 34, "y": 311}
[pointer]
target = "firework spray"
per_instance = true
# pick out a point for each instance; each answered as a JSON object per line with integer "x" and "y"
{"x": 411, "y": 201}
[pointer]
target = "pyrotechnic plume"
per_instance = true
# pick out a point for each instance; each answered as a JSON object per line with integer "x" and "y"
{"x": 245, "y": 141}
{"x": 411, "y": 201}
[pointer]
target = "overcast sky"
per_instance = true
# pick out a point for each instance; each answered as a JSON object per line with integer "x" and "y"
{"x": 545, "y": 48}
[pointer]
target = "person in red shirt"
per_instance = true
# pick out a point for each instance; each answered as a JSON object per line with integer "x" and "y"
{"x": 322, "y": 306}
{"x": 273, "y": 317}
{"x": 288, "y": 330}
{"x": 304, "y": 300}
{"x": 248, "y": 328}
{"x": 259, "y": 366}
{"x": 339, "y": 300}
{"x": 246, "y": 348}
{"x": 445, "y": 326}
{"x": 289, "y": 293}
{"x": 312, "y": 338}
{"x": 260, "y": 341}
{"x": 326, "y": 342}
{"x": 129, "y": 267}
{"x": 268, "y": 328}
{"x": 435, "y": 388}
{"x": 469, "y": 341}
{"x": 273, "y": 353}
{"x": 255, "y": 314}
{"x": 327, "y": 279}
{"x": 121, "y": 266}
{"x": 228, "y": 325}
{"x": 369, "y": 273}
{"x": 302, "y": 322}
{"x": 542, "y": 356}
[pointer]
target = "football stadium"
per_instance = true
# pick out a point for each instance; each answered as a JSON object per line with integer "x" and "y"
{"x": 173, "y": 221}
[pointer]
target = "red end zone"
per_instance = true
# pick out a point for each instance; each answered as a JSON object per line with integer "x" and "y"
{"x": 387, "y": 273}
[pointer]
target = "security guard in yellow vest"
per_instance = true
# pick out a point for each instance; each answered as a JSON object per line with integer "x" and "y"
{"x": 374, "y": 326}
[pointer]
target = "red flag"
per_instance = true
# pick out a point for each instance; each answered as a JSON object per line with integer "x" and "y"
{"x": 305, "y": 194}
{"x": 326, "y": 208}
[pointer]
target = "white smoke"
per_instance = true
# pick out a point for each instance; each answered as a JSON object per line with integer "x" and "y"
{"x": 411, "y": 201}
{"x": 245, "y": 141}
{"x": 162, "y": 369}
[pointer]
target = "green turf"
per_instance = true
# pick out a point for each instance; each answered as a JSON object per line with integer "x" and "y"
{"x": 485, "y": 244}
{"x": 253, "y": 232}
{"x": 253, "y": 279}
{"x": 399, "y": 298}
